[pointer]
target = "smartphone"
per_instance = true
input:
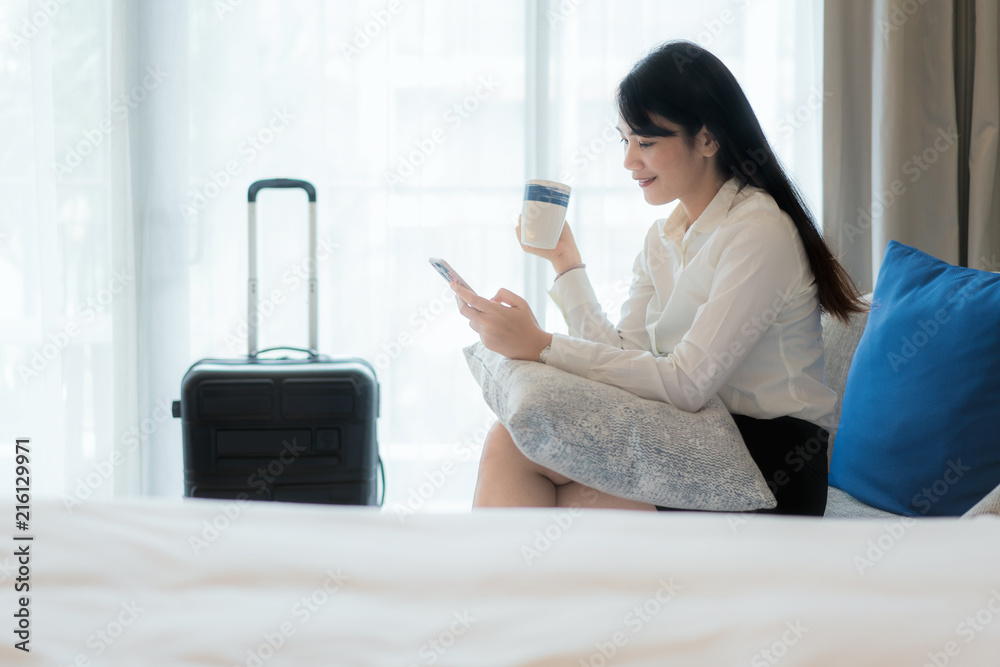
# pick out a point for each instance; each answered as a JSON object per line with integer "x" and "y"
{"x": 448, "y": 273}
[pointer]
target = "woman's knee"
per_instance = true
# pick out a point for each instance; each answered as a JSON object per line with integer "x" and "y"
{"x": 498, "y": 446}
{"x": 499, "y": 450}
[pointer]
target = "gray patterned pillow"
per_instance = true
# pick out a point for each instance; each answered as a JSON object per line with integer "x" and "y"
{"x": 609, "y": 439}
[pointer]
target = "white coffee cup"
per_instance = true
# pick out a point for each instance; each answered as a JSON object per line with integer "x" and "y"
{"x": 543, "y": 213}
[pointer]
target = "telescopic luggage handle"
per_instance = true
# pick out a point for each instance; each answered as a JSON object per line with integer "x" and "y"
{"x": 256, "y": 187}
{"x": 270, "y": 183}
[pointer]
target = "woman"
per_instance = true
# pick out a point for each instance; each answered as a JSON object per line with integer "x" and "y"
{"x": 725, "y": 299}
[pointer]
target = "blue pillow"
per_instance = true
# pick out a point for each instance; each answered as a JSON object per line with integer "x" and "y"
{"x": 919, "y": 430}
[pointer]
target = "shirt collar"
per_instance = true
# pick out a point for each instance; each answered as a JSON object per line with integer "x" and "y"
{"x": 709, "y": 220}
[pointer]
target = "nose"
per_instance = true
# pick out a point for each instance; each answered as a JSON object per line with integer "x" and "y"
{"x": 633, "y": 158}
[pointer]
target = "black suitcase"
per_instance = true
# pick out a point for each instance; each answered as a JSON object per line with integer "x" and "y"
{"x": 287, "y": 429}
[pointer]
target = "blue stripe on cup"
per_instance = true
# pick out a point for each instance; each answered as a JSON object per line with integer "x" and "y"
{"x": 543, "y": 193}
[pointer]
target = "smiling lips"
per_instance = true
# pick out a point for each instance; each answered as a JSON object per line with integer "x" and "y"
{"x": 643, "y": 182}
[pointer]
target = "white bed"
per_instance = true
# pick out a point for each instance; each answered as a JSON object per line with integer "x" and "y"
{"x": 500, "y": 587}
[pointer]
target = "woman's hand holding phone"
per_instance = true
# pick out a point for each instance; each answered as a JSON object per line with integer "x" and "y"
{"x": 505, "y": 323}
{"x": 563, "y": 256}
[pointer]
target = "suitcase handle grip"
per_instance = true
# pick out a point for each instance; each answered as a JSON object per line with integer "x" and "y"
{"x": 269, "y": 183}
{"x": 313, "y": 354}
{"x": 256, "y": 187}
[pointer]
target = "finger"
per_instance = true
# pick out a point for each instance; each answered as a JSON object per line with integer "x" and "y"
{"x": 464, "y": 309}
{"x": 467, "y": 311}
{"x": 471, "y": 298}
{"x": 508, "y": 297}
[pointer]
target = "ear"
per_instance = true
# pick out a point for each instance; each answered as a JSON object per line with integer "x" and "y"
{"x": 705, "y": 142}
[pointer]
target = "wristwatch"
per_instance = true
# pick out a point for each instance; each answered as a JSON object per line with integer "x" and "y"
{"x": 544, "y": 354}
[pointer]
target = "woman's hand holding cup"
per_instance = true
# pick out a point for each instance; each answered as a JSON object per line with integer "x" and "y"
{"x": 542, "y": 228}
{"x": 563, "y": 256}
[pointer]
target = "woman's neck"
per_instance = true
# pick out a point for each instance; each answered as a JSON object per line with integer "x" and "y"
{"x": 697, "y": 201}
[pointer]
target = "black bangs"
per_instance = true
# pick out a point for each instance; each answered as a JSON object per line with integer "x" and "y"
{"x": 643, "y": 93}
{"x": 634, "y": 109}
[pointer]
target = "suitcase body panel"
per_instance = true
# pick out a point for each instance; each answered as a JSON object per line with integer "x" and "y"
{"x": 300, "y": 430}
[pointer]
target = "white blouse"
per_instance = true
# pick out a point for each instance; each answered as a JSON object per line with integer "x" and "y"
{"x": 729, "y": 307}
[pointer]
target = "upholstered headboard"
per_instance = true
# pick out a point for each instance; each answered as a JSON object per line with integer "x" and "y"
{"x": 839, "y": 342}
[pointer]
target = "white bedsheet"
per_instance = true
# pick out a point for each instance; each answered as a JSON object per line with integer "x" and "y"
{"x": 274, "y": 584}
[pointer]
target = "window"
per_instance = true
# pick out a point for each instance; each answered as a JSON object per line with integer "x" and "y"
{"x": 417, "y": 121}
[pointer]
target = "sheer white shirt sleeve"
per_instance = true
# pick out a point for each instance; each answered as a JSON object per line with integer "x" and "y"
{"x": 756, "y": 267}
{"x": 586, "y": 319}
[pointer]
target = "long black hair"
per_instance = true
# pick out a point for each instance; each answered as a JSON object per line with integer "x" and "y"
{"x": 690, "y": 87}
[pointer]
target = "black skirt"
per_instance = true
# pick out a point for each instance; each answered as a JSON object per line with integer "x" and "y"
{"x": 792, "y": 455}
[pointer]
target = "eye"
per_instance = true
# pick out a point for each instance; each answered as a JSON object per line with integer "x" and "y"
{"x": 641, "y": 144}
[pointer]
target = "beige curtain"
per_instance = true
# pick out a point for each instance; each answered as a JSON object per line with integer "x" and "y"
{"x": 910, "y": 131}
{"x": 984, "y": 158}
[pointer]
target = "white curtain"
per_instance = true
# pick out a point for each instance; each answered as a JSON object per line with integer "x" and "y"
{"x": 895, "y": 165}
{"x": 418, "y": 123}
{"x": 67, "y": 260}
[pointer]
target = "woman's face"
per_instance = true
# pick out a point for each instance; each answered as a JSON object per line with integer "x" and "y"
{"x": 672, "y": 167}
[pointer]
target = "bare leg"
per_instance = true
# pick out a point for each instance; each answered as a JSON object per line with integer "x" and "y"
{"x": 575, "y": 494}
{"x": 507, "y": 478}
